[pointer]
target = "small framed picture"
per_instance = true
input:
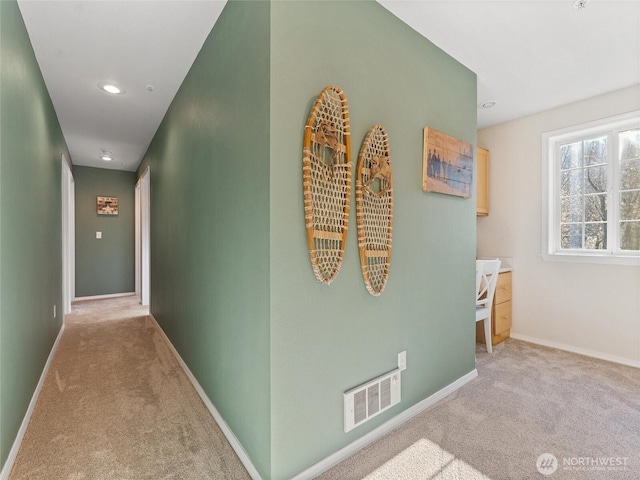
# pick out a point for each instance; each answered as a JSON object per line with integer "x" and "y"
{"x": 107, "y": 205}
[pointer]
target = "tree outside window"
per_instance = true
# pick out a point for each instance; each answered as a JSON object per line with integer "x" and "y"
{"x": 594, "y": 191}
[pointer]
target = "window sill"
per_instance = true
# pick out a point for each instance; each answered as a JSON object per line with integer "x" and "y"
{"x": 592, "y": 258}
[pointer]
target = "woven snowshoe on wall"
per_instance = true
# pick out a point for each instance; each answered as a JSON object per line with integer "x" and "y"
{"x": 326, "y": 172}
{"x": 374, "y": 209}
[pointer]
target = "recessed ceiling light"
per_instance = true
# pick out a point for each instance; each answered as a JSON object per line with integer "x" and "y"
{"x": 487, "y": 104}
{"x": 107, "y": 156}
{"x": 111, "y": 88}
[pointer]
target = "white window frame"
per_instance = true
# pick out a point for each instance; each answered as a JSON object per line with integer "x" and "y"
{"x": 551, "y": 191}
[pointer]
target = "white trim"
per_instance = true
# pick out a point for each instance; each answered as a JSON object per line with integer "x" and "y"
{"x": 143, "y": 237}
{"x": 591, "y": 258}
{"x": 334, "y": 458}
{"x": 68, "y": 236}
{"x": 226, "y": 430}
{"x": 137, "y": 236}
{"x": 102, "y": 297}
{"x": 13, "y": 453}
{"x": 345, "y": 452}
{"x": 580, "y": 351}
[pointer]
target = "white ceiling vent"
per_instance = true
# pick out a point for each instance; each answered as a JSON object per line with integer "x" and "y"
{"x": 369, "y": 399}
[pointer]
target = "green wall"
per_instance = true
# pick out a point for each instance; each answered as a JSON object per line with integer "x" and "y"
{"x": 104, "y": 266}
{"x": 328, "y": 339}
{"x": 210, "y": 222}
{"x": 31, "y": 148}
{"x": 232, "y": 284}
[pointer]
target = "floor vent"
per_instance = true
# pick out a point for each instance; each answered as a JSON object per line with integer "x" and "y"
{"x": 368, "y": 400}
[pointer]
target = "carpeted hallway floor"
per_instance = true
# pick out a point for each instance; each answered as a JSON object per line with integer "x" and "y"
{"x": 117, "y": 405}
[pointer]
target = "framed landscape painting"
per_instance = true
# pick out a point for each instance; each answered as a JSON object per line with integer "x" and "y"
{"x": 447, "y": 164}
{"x": 107, "y": 205}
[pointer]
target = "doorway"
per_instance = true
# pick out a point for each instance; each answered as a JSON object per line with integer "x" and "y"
{"x": 68, "y": 237}
{"x": 142, "y": 237}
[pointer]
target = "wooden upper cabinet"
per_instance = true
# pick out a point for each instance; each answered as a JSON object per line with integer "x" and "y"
{"x": 482, "y": 205}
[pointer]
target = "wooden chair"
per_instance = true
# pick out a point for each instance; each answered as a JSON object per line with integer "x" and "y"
{"x": 486, "y": 279}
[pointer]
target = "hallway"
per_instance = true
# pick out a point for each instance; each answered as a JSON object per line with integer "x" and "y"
{"x": 116, "y": 404}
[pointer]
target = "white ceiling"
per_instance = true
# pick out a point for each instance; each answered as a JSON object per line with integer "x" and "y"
{"x": 533, "y": 55}
{"x": 529, "y": 55}
{"x": 131, "y": 43}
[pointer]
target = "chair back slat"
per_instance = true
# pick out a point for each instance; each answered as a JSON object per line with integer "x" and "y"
{"x": 486, "y": 279}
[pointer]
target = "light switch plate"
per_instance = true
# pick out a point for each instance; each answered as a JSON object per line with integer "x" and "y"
{"x": 402, "y": 361}
{"x": 98, "y": 234}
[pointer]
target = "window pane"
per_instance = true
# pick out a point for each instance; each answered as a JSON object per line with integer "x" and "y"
{"x": 594, "y": 199}
{"x": 595, "y": 208}
{"x": 629, "y": 174}
{"x": 571, "y": 155}
{"x": 571, "y": 182}
{"x": 571, "y": 236}
{"x": 630, "y": 205}
{"x": 595, "y": 151}
{"x": 630, "y": 144}
{"x": 595, "y": 236}
{"x": 572, "y": 209}
{"x": 595, "y": 179}
{"x": 630, "y": 236}
{"x": 630, "y": 179}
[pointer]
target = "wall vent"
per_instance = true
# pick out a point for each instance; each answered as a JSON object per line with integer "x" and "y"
{"x": 370, "y": 399}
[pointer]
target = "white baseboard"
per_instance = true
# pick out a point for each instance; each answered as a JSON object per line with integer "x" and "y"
{"x": 580, "y": 351}
{"x": 310, "y": 472}
{"x": 102, "y": 297}
{"x": 334, "y": 458}
{"x": 13, "y": 453}
{"x": 345, "y": 452}
{"x": 226, "y": 430}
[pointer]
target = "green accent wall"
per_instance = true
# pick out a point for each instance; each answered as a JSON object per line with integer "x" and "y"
{"x": 210, "y": 223}
{"x": 107, "y": 265}
{"x": 327, "y": 339}
{"x": 31, "y": 149}
{"x": 232, "y": 283}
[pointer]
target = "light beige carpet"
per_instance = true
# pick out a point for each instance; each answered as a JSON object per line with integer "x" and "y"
{"x": 527, "y": 401}
{"x": 116, "y": 405}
